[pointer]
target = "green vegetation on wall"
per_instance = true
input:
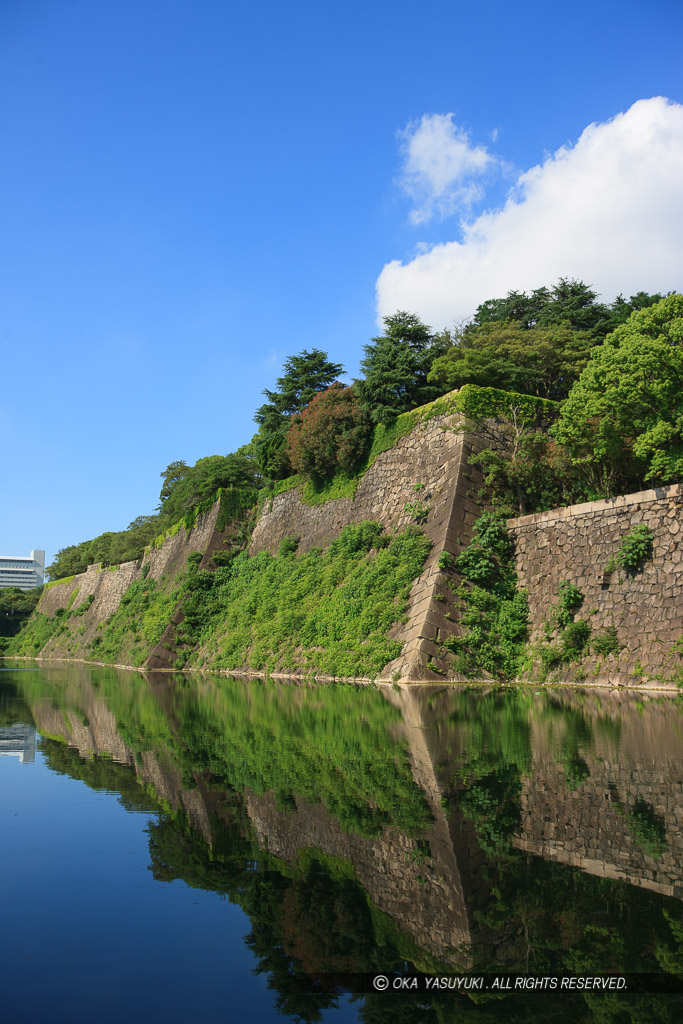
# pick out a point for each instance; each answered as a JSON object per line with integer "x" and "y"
{"x": 479, "y": 403}
{"x": 16, "y": 606}
{"x": 494, "y": 613}
{"x": 127, "y": 637}
{"x": 634, "y": 549}
{"x": 138, "y": 623}
{"x": 325, "y": 612}
{"x": 343, "y": 484}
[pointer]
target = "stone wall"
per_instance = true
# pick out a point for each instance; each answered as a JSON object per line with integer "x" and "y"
{"x": 573, "y": 544}
{"x": 107, "y": 585}
{"x": 433, "y": 457}
{"x": 645, "y": 606}
{"x": 436, "y": 456}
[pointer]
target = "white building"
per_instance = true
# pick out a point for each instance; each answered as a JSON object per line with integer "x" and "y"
{"x": 24, "y": 573}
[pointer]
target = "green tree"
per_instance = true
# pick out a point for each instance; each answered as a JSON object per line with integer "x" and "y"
{"x": 623, "y": 421}
{"x": 15, "y": 607}
{"x": 70, "y": 560}
{"x": 396, "y": 365}
{"x": 190, "y": 485}
{"x": 568, "y": 302}
{"x": 331, "y": 433}
{"x": 541, "y": 361}
{"x": 304, "y": 376}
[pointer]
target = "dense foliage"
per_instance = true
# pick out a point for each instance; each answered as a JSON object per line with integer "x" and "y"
{"x": 396, "y": 366}
{"x": 494, "y": 613}
{"x": 331, "y": 433}
{"x": 620, "y": 428}
{"x": 571, "y": 303}
{"x": 304, "y": 376}
{"x": 326, "y": 612}
{"x": 16, "y": 606}
{"x": 622, "y": 424}
{"x": 543, "y": 361}
{"x": 612, "y": 372}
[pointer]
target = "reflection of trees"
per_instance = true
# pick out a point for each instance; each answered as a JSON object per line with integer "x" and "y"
{"x": 13, "y": 706}
{"x": 311, "y": 916}
{"x": 306, "y": 921}
{"x": 100, "y": 773}
{"x": 492, "y": 803}
{"x": 335, "y": 746}
{"x": 329, "y": 745}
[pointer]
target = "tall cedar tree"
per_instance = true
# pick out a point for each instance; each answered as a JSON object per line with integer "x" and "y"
{"x": 396, "y": 365}
{"x": 304, "y": 376}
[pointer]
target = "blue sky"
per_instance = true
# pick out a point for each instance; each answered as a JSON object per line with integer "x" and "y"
{"x": 191, "y": 192}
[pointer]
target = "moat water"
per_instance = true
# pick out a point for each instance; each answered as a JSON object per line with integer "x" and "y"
{"x": 179, "y": 849}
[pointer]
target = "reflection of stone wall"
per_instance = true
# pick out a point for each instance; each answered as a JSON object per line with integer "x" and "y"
{"x": 576, "y": 543}
{"x": 587, "y": 827}
{"x": 633, "y": 752}
{"x": 432, "y": 886}
{"x": 422, "y": 895}
{"x": 95, "y": 732}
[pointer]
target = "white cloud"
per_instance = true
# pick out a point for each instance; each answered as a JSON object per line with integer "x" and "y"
{"x": 441, "y": 169}
{"x": 607, "y": 210}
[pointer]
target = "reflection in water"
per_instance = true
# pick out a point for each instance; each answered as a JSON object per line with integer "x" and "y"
{"x": 367, "y": 829}
{"x": 18, "y": 740}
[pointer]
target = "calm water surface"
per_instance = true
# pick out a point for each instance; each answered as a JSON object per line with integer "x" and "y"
{"x": 176, "y": 848}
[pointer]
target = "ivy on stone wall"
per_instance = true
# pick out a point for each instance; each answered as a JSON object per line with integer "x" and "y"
{"x": 634, "y": 549}
{"x": 480, "y": 403}
{"x": 495, "y": 613}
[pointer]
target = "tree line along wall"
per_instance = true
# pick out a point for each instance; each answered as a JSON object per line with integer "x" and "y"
{"x": 434, "y": 457}
{"x": 644, "y": 606}
{"x": 573, "y": 544}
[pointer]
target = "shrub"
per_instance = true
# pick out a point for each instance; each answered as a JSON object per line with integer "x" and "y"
{"x": 606, "y": 642}
{"x": 416, "y": 510}
{"x": 491, "y": 547}
{"x": 288, "y": 546}
{"x": 570, "y": 600}
{"x": 575, "y": 639}
{"x": 446, "y": 562}
{"x": 331, "y": 433}
{"x": 635, "y": 548}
